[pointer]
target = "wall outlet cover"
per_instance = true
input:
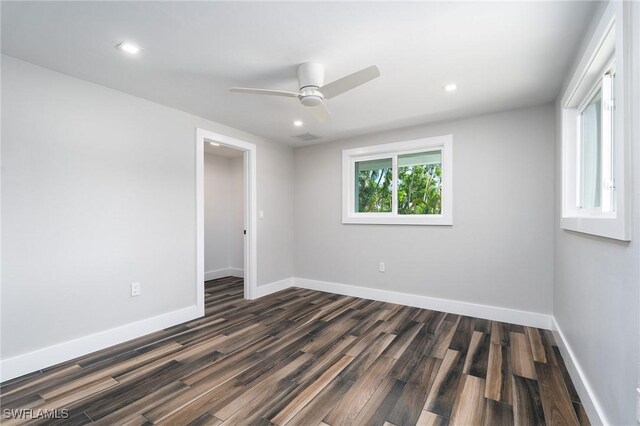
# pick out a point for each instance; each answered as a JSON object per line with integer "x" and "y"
{"x": 135, "y": 289}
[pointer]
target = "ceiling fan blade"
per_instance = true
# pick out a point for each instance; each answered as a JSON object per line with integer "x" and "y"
{"x": 264, "y": 92}
{"x": 321, "y": 112}
{"x": 349, "y": 82}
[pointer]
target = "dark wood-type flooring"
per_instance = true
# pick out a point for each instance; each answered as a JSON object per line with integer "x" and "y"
{"x": 302, "y": 357}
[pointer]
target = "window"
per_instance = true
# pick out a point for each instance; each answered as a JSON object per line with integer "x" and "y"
{"x": 595, "y": 134}
{"x": 595, "y": 137}
{"x": 398, "y": 183}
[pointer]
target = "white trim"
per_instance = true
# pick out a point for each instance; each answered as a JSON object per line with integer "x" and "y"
{"x": 236, "y": 272}
{"x": 585, "y": 391}
{"x": 200, "y": 222}
{"x": 223, "y": 272}
{"x": 611, "y": 37}
{"x": 46, "y": 357}
{"x": 52, "y": 355}
{"x": 392, "y": 150}
{"x": 264, "y": 290}
{"x": 513, "y": 316}
{"x": 250, "y": 219}
{"x": 531, "y": 319}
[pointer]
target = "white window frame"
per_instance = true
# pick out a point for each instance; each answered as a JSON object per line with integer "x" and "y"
{"x": 607, "y": 45}
{"x": 607, "y": 205}
{"x": 393, "y": 150}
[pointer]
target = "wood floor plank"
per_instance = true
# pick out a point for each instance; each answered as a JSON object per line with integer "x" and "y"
{"x": 131, "y": 411}
{"x": 521, "y": 356}
{"x": 573, "y": 393}
{"x": 537, "y": 348}
{"x": 195, "y": 405}
{"x": 499, "y": 333}
{"x": 527, "y": 405}
{"x": 320, "y": 406}
{"x": 383, "y": 407}
{"x": 549, "y": 352}
{"x": 444, "y": 334}
{"x": 366, "y": 415}
{"x": 470, "y": 403}
{"x": 498, "y": 386}
{"x": 497, "y": 414}
{"x": 347, "y": 409}
{"x": 252, "y": 395}
{"x": 461, "y": 339}
{"x": 302, "y": 357}
{"x": 311, "y": 391}
{"x": 445, "y": 386}
{"x": 581, "y": 414}
{"x": 557, "y": 406}
{"x": 430, "y": 419}
{"x": 476, "y": 361}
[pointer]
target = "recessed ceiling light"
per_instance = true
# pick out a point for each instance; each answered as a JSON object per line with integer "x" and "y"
{"x": 298, "y": 123}
{"x": 129, "y": 48}
{"x": 451, "y": 87}
{"x": 214, "y": 144}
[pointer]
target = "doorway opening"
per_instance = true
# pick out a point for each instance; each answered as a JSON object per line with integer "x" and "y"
{"x": 226, "y": 212}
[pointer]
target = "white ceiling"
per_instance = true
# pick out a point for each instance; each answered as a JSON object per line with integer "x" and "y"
{"x": 502, "y": 55}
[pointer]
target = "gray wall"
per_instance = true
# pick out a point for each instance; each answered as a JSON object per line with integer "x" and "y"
{"x": 596, "y": 296}
{"x": 98, "y": 191}
{"x": 499, "y": 250}
{"x": 223, "y": 212}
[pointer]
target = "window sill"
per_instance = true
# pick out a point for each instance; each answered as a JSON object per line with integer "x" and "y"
{"x": 428, "y": 220}
{"x": 608, "y": 227}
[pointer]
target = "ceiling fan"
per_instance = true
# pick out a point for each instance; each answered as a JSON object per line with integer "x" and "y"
{"x": 312, "y": 90}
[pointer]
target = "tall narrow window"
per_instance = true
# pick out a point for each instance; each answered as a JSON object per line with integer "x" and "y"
{"x": 597, "y": 128}
{"x": 591, "y": 153}
{"x": 595, "y": 168}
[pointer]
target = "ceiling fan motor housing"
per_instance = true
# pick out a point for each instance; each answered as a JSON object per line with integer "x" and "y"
{"x": 310, "y": 78}
{"x": 310, "y": 74}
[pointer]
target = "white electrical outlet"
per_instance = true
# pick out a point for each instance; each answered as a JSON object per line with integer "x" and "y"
{"x": 261, "y": 214}
{"x": 381, "y": 268}
{"x": 135, "y": 289}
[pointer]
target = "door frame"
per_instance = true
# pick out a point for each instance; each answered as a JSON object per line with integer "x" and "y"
{"x": 250, "y": 211}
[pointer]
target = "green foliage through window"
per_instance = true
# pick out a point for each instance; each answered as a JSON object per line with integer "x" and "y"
{"x": 420, "y": 189}
{"x": 374, "y": 186}
{"x": 419, "y": 184}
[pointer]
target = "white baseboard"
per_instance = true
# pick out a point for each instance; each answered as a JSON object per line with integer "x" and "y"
{"x": 531, "y": 319}
{"x": 224, "y": 272}
{"x": 273, "y": 287}
{"x": 65, "y": 351}
{"x": 236, "y": 272}
{"x": 46, "y": 357}
{"x": 585, "y": 391}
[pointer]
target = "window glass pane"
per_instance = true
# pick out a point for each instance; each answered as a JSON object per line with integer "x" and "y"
{"x": 590, "y": 153}
{"x": 420, "y": 183}
{"x": 373, "y": 185}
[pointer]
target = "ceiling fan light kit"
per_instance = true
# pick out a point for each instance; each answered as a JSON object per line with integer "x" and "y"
{"x": 311, "y": 88}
